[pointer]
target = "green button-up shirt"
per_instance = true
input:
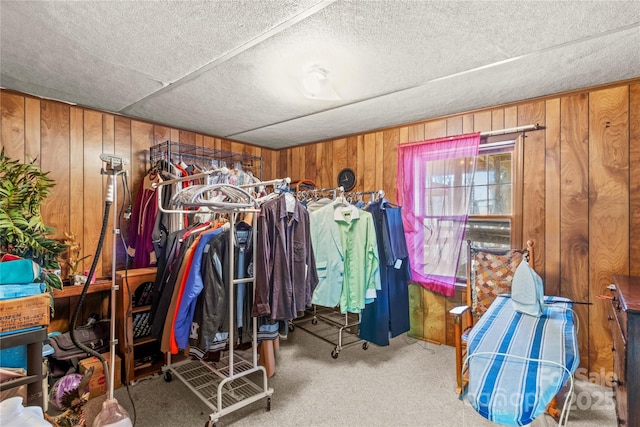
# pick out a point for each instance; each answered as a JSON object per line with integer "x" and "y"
{"x": 346, "y": 251}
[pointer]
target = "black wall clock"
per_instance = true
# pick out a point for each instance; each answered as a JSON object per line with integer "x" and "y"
{"x": 347, "y": 179}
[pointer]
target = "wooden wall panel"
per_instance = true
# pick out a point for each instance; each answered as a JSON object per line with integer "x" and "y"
{"x": 416, "y": 132}
{"x": 454, "y": 126}
{"x": 217, "y": 144}
{"x": 225, "y": 145}
{"x": 298, "y": 163}
{"x": 282, "y": 169}
{"x": 12, "y": 109}
{"x": 468, "y": 123}
{"x": 174, "y": 135}
{"x": 268, "y": 172}
{"x": 369, "y": 173}
{"x": 122, "y": 135}
{"x": 339, "y": 160}
{"x": 416, "y": 312}
{"x": 564, "y": 180}
{"x": 236, "y": 147}
{"x": 93, "y": 186}
{"x": 76, "y": 184}
{"x": 142, "y": 137}
{"x": 289, "y": 162}
{"x": 310, "y": 166}
{"x": 55, "y": 160}
{"x": 352, "y": 152}
{"x": 482, "y": 121}
{"x": 450, "y": 303}
{"x": 574, "y": 210}
{"x": 391, "y": 138}
{"x": 608, "y": 207}
{"x": 634, "y": 179}
{"x": 161, "y": 134}
{"x": 379, "y": 165}
{"x": 435, "y": 129}
{"x": 533, "y": 184}
{"x": 208, "y": 142}
{"x": 108, "y": 147}
{"x": 361, "y": 163}
{"x": 323, "y": 159}
{"x": 497, "y": 119}
{"x": 404, "y": 134}
{"x": 187, "y": 137}
{"x": 31, "y": 129}
{"x": 552, "y": 198}
{"x": 510, "y": 117}
{"x": 434, "y": 317}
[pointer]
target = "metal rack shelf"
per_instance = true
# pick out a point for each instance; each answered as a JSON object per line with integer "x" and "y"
{"x": 176, "y": 151}
{"x": 222, "y": 392}
{"x": 322, "y": 322}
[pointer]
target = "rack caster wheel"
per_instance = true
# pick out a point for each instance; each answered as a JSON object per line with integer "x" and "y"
{"x": 291, "y": 327}
{"x": 168, "y": 377}
{"x": 314, "y": 321}
{"x": 211, "y": 424}
{"x": 365, "y": 345}
{"x": 268, "y": 404}
{"x": 334, "y": 354}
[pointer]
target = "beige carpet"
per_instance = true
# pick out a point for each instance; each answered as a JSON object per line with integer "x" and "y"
{"x": 409, "y": 383}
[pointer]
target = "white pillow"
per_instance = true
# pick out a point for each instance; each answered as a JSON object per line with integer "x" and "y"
{"x": 527, "y": 291}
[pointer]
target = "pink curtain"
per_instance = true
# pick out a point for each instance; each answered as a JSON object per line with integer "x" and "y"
{"x": 434, "y": 185}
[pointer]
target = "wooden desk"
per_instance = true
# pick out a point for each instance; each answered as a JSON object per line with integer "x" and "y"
{"x": 66, "y": 299}
{"x": 624, "y": 322}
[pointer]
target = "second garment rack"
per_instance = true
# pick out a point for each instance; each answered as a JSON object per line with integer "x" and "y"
{"x": 225, "y": 385}
{"x": 331, "y": 319}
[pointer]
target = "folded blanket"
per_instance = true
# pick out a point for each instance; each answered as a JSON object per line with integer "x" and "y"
{"x": 19, "y": 271}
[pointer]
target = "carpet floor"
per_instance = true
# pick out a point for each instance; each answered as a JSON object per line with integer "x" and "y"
{"x": 408, "y": 383}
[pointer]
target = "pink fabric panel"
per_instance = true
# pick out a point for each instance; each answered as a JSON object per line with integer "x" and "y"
{"x": 433, "y": 186}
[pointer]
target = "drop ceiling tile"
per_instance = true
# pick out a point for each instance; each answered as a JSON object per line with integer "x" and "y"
{"x": 546, "y": 73}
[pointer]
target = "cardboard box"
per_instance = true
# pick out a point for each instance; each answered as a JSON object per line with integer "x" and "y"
{"x": 22, "y": 313}
{"x": 98, "y": 384}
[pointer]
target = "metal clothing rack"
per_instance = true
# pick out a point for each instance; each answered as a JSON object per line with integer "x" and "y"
{"x": 345, "y": 323}
{"x": 177, "y": 151}
{"x": 224, "y": 386}
{"x": 331, "y": 320}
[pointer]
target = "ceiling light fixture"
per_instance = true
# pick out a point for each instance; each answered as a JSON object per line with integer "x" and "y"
{"x": 316, "y": 85}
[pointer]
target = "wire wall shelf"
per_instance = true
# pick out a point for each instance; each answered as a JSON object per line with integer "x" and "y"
{"x": 177, "y": 151}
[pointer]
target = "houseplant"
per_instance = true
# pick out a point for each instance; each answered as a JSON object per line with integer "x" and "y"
{"x": 73, "y": 258}
{"x": 23, "y": 188}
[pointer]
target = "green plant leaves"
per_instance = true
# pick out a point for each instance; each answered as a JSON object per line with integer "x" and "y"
{"x": 23, "y": 189}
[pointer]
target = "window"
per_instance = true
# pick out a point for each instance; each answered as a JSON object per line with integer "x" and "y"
{"x": 434, "y": 186}
{"x": 493, "y": 209}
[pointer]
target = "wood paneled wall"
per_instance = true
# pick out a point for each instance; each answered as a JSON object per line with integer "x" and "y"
{"x": 581, "y": 195}
{"x": 581, "y": 178}
{"x": 67, "y": 141}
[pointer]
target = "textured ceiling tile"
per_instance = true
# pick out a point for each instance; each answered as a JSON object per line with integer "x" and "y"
{"x": 537, "y": 75}
{"x": 235, "y": 68}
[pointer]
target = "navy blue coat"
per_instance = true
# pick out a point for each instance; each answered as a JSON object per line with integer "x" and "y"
{"x": 388, "y": 315}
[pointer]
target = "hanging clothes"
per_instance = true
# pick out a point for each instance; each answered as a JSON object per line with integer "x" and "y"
{"x": 243, "y": 255}
{"x": 192, "y": 285}
{"x": 210, "y": 319}
{"x": 166, "y": 288}
{"x": 347, "y": 261}
{"x": 388, "y": 315}
{"x": 286, "y": 268}
{"x": 168, "y": 253}
{"x": 143, "y": 220}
